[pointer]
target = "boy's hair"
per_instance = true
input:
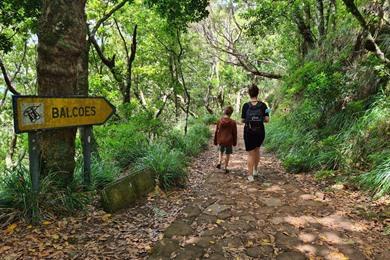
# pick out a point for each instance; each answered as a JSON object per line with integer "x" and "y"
{"x": 253, "y": 91}
{"x": 228, "y": 110}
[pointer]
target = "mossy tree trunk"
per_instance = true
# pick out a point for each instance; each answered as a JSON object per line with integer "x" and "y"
{"x": 61, "y": 47}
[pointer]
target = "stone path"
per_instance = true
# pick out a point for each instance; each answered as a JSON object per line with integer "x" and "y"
{"x": 276, "y": 217}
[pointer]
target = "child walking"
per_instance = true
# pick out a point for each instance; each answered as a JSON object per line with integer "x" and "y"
{"x": 225, "y": 136}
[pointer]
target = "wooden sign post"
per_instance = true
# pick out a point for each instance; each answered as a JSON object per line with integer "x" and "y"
{"x": 33, "y": 113}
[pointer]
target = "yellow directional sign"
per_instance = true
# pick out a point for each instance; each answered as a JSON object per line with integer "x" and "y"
{"x": 34, "y": 113}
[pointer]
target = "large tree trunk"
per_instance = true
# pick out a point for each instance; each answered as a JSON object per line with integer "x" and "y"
{"x": 61, "y": 49}
{"x": 321, "y": 20}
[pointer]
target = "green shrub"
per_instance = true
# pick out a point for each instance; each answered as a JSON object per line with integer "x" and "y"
{"x": 103, "y": 172}
{"x": 169, "y": 165}
{"x": 191, "y": 144}
{"x": 175, "y": 139}
{"x": 196, "y": 139}
{"x": 123, "y": 143}
{"x": 296, "y": 163}
{"x": 16, "y": 188}
{"x": 209, "y": 119}
{"x": 378, "y": 179}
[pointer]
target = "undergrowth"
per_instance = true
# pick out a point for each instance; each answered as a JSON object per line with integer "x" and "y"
{"x": 16, "y": 192}
{"x": 324, "y": 124}
{"x": 138, "y": 143}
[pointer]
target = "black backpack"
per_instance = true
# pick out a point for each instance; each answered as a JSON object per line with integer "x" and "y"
{"x": 254, "y": 116}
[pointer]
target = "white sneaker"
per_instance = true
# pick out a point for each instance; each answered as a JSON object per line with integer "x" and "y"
{"x": 250, "y": 178}
{"x": 255, "y": 173}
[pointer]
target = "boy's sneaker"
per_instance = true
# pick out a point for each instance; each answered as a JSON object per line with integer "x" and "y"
{"x": 255, "y": 173}
{"x": 250, "y": 178}
{"x": 218, "y": 166}
{"x": 226, "y": 171}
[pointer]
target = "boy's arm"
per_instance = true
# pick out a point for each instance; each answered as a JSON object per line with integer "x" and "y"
{"x": 235, "y": 134}
{"x": 216, "y": 133}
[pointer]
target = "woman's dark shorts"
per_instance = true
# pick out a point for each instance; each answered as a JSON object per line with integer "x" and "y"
{"x": 253, "y": 139}
{"x": 226, "y": 149}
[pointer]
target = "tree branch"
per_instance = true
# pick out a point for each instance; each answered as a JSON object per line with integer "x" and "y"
{"x": 133, "y": 47}
{"x": 123, "y": 38}
{"x": 19, "y": 66}
{"x": 231, "y": 50}
{"x": 107, "y": 16}
{"x": 352, "y": 8}
{"x": 8, "y": 82}
{"x": 164, "y": 99}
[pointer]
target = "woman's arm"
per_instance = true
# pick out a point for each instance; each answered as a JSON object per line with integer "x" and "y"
{"x": 266, "y": 117}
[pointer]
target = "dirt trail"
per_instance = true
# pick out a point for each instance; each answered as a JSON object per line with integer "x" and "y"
{"x": 279, "y": 216}
{"x": 218, "y": 216}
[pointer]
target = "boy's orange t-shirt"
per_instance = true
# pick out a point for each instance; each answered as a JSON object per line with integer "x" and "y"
{"x": 226, "y": 132}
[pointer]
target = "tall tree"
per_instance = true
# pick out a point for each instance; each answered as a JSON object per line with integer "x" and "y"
{"x": 61, "y": 45}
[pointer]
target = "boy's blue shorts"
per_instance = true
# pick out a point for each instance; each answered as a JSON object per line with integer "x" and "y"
{"x": 226, "y": 149}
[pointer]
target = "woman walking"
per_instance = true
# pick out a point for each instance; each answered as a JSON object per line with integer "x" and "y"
{"x": 254, "y": 115}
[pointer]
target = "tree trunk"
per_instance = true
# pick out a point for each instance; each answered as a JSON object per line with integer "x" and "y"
{"x": 61, "y": 48}
{"x": 238, "y": 101}
{"x": 306, "y": 33}
{"x": 130, "y": 60}
{"x": 321, "y": 18}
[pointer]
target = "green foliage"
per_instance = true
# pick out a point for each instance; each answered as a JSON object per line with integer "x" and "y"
{"x": 181, "y": 13}
{"x": 167, "y": 158}
{"x": 123, "y": 143}
{"x": 166, "y": 163}
{"x": 324, "y": 174}
{"x": 16, "y": 189}
{"x": 142, "y": 142}
{"x": 378, "y": 179}
{"x": 17, "y": 16}
{"x": 103, "y": 172}
{"x": 333, "y": 117}
{"x": 209, "y": 119}
{"x": 196, "y": 139}
{"x": 319, "y": 81}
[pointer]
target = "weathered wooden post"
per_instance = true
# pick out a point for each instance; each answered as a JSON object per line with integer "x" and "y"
{"x": 86, "y": 133}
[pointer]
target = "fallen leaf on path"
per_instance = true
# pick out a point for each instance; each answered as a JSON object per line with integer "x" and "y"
{"x": 220, "y": 221}
{"x": 10, "y": 229}
{"x": 106, "y": 217}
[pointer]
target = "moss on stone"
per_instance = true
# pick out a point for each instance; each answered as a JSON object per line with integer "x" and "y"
{"x": 124, "y": 192}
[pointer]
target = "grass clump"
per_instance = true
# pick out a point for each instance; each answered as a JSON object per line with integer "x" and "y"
{"x": 378, "y": 179}
{"x": 16, "y": 190}
{"x": 103, "y": 172}
{"x": 169, "y": 165}
{"x": 169, "y": 157}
